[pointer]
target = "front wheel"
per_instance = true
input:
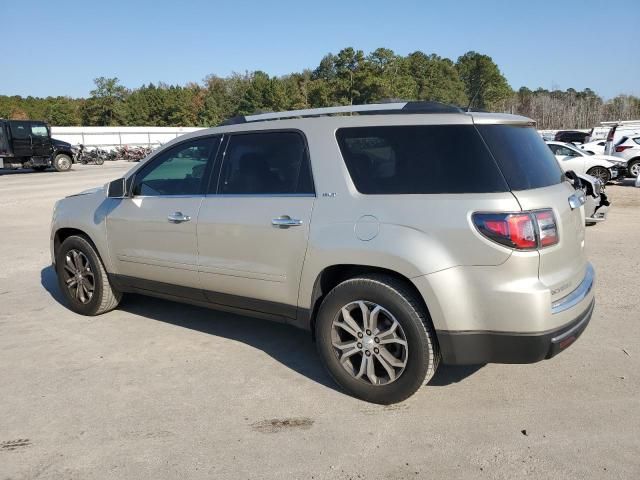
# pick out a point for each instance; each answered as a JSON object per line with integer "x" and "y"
{"x": 601, "y": 173}
{"x": 62, "y": 162}
{"x": 634, "y": 168}
{"x": 376, "y": 339}
{"x": 83, "y": 279}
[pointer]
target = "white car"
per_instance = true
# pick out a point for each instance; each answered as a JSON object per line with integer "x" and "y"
{"x": 596, "y": 205}
{"x": 603, "y": 167}
{"x": 628, "y": 150}
{"x": 595, "y": 147}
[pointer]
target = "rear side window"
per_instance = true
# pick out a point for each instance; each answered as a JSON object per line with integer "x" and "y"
{"x": 270, "y": 163}
{"x": 20, "y": 130}
{"x": 637, "y": 140}
{"x": 524, "y": 159}
{"x": 419, "y": 160}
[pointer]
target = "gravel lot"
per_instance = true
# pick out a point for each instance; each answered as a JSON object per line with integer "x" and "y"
{"x": 161, "y": 390}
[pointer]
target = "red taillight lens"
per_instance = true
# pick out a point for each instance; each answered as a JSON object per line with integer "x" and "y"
{"x": 522, "y": 231}
{"x": 622, "y": 148}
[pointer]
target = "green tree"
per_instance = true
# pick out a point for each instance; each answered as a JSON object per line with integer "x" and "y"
{"x": 485, "y": 85}
{"x": 106, "y": 106}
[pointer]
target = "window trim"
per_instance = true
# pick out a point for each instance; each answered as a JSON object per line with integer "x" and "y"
{"x": 220, "y": 159}
{"x": 156, "y": 158}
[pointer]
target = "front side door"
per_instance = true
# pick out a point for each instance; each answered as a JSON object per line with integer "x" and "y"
{"x": 40, "y": 140}
{"x": 569, "y": 159}
{"x": 152, "y": 234}
{"x": 253, "y": 225}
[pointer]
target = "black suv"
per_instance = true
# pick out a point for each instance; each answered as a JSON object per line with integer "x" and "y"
{"x": 571, "y": 136}
{"x": 28, "y": 144}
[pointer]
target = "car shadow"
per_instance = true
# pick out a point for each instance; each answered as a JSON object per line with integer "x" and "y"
{"x": 290, "y": 346}
{"x": 627, "y": 182}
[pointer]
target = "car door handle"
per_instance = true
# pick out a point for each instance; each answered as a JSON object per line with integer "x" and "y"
{"x": 285, "y": 221}
{"x": 178, "y": 217}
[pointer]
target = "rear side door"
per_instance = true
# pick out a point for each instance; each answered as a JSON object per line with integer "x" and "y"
{"x": 152, "y": 234}
{"x": 21, "y": 138}
{"x": 253, "y": 225}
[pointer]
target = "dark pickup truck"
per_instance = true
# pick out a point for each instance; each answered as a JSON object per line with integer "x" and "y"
{"x": 28, "y": 144}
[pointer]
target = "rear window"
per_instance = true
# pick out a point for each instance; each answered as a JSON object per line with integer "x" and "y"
{"x": 419, "y": 160}
{"x": 525, "y": 160}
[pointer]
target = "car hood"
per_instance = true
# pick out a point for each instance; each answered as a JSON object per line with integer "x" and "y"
{"x": 606, "y": 158}
{"x": 60, "y": 143}
{"x": 89, "y": 191}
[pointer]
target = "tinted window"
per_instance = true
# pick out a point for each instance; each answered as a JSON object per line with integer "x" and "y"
{"x": 20, "y": 130}
{"x": 265, "y": 163}
{"x": 419, "y": 159}
{"x": 178, "y": 171}
{"x": 524, "y": 159}
{"x": 637, "y": 140}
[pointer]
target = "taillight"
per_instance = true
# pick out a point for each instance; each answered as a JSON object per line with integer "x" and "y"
{"x": 547, "y": 229}
{"x": 622, "y": 148}
{"x": 521, "y": 231}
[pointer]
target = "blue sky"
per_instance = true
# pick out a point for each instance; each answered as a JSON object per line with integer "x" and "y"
{"x": 58, "y": 47}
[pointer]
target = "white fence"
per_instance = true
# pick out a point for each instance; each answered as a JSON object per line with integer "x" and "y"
{"x": 111, "y": 137}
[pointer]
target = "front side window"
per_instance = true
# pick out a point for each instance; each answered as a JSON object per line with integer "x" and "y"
{"x": 563, "y": 151}
{"x": 39, "y": 131}
{"x": 178, "y": 171}
{"x": 420, "y": 159}
{"x": 267, "y": 163}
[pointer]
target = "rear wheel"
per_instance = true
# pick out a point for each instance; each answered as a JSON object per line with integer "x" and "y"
{"x": 376, "y": 339}
{"x": 634, "y": 168}
{"x": 83, "y": 279}
{"x": 601, "y": 173}
{"x": 62, "y": 162}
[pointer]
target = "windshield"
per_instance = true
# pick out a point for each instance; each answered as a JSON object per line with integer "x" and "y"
{"x": 524, "y": 158}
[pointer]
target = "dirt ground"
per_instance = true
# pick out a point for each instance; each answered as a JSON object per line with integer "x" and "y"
{"x": 159, "y": 390}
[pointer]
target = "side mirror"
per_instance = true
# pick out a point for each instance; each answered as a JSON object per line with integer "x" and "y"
{"x": 117, "y": 189}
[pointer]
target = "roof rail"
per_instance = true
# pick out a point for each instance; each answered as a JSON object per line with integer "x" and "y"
{"x": 370, "y": 109}
{"x": 621, "y": 122}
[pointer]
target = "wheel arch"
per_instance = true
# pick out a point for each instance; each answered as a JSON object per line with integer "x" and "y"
{"x": 63, "y": 233}
{"x": 333, "y": 275}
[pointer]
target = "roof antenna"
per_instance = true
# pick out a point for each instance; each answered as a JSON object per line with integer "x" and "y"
{"x": 474, "y": 96}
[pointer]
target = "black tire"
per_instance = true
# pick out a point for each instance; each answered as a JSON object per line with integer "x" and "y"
{"x": 633, "y": 168}
{"x": 601, "y": 173}
{"x": 99, "y": 161}
{"x": 422, "y": 356}
{"x": 62, "y": 162}
{"x": 104, "y": 298}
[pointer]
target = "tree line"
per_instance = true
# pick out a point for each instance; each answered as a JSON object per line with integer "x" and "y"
{"x": 348, "y": 77}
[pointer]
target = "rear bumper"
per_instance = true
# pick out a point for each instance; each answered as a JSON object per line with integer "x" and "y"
{"x": 470, "y": 348}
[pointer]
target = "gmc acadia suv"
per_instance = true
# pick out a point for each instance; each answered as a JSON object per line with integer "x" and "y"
{"x": 399, "y": 235}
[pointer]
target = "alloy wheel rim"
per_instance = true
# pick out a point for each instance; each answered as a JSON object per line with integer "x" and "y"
{"x": 601, "y": 174}
{"x": 635, "y": 169}
{"x": 78, "y": 276}
{"x": 369, "y": 342}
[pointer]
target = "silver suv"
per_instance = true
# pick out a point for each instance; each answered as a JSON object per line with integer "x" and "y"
{"x": 399, "y": 235}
